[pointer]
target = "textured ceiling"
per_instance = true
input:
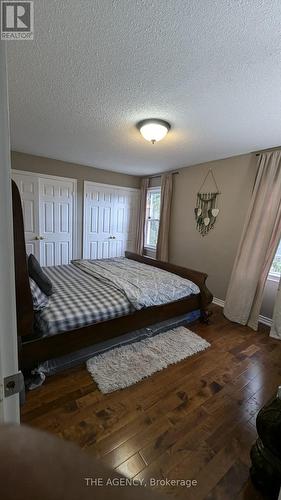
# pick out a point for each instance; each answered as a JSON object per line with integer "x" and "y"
{"x": 212, "y": 68}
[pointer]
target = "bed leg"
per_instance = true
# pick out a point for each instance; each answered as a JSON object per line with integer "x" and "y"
{"x": 205, "y": 316}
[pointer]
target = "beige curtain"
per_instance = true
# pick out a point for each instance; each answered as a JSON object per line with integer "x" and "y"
{"x": 275, "y": 331}
{"x": 260, "y": 238}
{"x": 162, "y": 248}
{"x": 141, "y": 218}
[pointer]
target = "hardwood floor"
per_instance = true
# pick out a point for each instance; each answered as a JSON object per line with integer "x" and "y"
{"x": 194, "y": 420}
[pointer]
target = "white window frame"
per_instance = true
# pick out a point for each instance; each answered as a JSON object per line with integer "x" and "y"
{"x": 274, "y": 277}
{"x": 156, "y": 189}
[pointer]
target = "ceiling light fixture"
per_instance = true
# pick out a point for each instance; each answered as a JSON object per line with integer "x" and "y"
{"x": 153, "y": 130}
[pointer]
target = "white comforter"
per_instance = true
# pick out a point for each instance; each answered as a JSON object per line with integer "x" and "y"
{"x": 143, "y": 285}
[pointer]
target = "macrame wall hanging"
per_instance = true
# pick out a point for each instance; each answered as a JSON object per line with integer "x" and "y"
{"x": 206, "y": 210}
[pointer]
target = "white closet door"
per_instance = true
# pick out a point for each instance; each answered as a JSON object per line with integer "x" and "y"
{"x": 125, "y": 211}
{"x": 98, "y": 221}
{"x": 110, "y": 216}
{"x": 55, "y": 221}
{"x": 28, "y": 188}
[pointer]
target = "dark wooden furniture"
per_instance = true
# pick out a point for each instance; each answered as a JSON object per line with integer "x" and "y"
{"x": 266, "y": 452}
{"x": 41, "y": 349}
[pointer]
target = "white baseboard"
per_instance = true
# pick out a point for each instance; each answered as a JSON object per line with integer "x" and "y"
{"x": 262, "y": 319}
{"x": 218, "y": 302}
{"x": 265, "y": 320}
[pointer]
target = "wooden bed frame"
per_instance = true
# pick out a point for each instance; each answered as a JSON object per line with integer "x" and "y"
{"x": 40, "y": 349}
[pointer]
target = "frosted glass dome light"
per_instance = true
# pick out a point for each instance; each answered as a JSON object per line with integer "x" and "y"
{"x": 153, "y": 130}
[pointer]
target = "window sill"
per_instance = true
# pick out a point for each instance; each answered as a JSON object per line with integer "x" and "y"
{"x": 152, "y": 249}
{"x": 273, "y": 277}
{"x": 150, "y": 252}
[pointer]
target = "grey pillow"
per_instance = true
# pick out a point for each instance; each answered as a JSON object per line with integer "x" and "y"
{"x": 39, "y": 299}
{"x": 36, "y": 272}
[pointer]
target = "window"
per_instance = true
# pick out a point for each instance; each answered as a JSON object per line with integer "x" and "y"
{"x": 275, "y": 270}
{"x": 152, "y": 217}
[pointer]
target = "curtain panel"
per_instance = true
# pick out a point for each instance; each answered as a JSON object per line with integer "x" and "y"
{"x": 259, "y": 242}
{"x": 162, "y": 248}
{"x": 141, "y": 217}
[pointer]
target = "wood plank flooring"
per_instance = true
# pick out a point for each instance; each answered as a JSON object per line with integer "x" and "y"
{"x": 194, "y": 420}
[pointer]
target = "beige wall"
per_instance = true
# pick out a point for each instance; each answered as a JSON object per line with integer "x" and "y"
{"x": 215, "y": 252}
{"x": 31, "y": 163}
{"x": 38, "y": 164}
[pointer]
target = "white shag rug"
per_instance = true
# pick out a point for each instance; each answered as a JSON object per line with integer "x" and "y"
{"x": 124, "y": 366}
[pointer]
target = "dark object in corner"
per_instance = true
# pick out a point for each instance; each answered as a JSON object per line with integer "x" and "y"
{"x": 266, "y": 452}
{"x": 37, "y": 274}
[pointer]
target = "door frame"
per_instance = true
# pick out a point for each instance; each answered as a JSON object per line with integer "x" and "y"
{"x": 9, "y": 406}
{"x": 102, "y": 185}
{"x": 75, "y": 238}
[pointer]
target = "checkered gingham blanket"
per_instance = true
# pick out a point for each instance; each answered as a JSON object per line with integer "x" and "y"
{"x": 79, "y": 300}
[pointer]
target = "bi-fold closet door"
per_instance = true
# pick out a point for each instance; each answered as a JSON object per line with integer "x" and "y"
{"x": 49, "y": 205}
{"x": 110, "y": 220}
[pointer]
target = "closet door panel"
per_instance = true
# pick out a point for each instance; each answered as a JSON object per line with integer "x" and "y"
{"x": 110, "y": 218}
{"x": 31, "y": 248}
{"x": 64, "y": 218}
{"x": 121, "y": 220}
{"x": 105, "y": 250}
{"x": 56, "y": 221}
{"x": 132, "y": 219}
{"x": 120, "y": 248}
{"x": 48, "y": 205}
{"x": 47, "y": 221}
{"x": 94, "y": 220}
{"x": 28, "y": 188}
{"x": 98, "y": 221}
{"x": 126, "y": 220}
{"x": 63, "y": 253}
{"x": 93, "y": 250}
{"x": 106, "y": 220}
{"x": 47, "y": 253}
{"x": 29, "y": 216}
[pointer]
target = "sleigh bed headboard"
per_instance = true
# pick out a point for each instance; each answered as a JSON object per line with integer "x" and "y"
{"x": 23, "y": 292}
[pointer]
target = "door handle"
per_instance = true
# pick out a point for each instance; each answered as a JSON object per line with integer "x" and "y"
{"x": 41, "y": 238}
{"x": 114, "y": 237}
{"x": 37, "y": 238}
